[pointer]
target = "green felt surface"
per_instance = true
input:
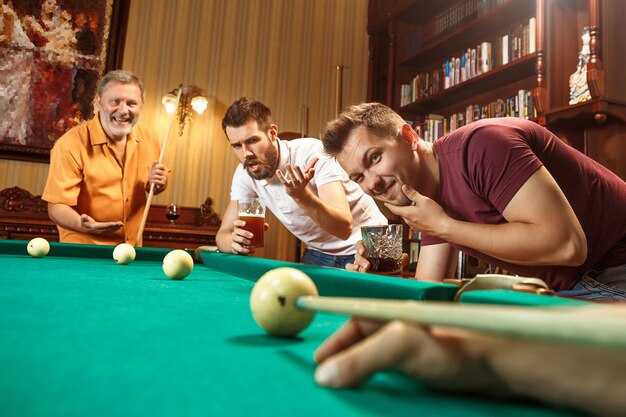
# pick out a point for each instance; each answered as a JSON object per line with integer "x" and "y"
{"x": 334, "y": 282}
{"x": 18, "y": 247}
{"x": 505, "y": 297}
{"x": 83, "y": 336}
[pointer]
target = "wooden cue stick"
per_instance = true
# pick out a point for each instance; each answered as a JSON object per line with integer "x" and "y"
{"x": 146, "y": 209}
{"x": 554, "y": 324}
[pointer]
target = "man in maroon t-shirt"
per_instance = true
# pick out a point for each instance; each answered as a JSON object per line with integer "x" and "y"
{"x": 504, "y": 190}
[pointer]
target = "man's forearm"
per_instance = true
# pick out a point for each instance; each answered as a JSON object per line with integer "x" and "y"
{"x": 331, "y": 219}
{"x": 517, "y": 242}
{"x": 65, "y": 216}
{"x": 224, "y": 241}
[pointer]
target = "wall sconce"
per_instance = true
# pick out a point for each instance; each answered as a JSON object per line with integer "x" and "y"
{"x": 191, "y": 98}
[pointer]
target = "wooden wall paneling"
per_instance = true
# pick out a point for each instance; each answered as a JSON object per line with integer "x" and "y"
{"x": 605, "y": 143}
{"x": 613, "y": 14}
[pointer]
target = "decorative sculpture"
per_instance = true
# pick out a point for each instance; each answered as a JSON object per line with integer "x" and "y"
{"x": 578, "y": 87}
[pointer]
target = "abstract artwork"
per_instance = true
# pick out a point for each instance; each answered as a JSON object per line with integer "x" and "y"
{"x": 52, "y": 53}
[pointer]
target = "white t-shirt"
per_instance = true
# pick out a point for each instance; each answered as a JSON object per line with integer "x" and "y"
{"x": 291, "y": 215}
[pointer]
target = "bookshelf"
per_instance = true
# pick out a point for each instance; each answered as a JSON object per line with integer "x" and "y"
{"x": 417, "y": 39}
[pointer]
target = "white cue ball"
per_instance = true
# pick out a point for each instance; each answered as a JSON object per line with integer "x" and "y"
{"x": 273, "y": 301}
{"x": 38, "y": 247}
{"x": 177, "y": 264}
{"x": 124, "y": 253}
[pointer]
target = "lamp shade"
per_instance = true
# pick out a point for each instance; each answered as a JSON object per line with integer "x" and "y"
{"x": 169, "y": 101}
{"x": 199, "y": 104}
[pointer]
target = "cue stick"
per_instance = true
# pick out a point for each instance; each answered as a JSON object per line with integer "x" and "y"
{"x": 554, "y": 324}
{"x": 144, "y": 217}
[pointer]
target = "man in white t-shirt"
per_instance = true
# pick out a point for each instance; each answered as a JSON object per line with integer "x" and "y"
{"x": 305, "y": 189}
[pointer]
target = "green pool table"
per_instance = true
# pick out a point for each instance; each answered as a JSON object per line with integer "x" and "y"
{"x": 83, "y": 336}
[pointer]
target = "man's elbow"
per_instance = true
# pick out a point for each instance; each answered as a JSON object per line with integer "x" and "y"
{"x": 52, "y": 212}
{"x": 344, "y": 229}
{"x": 574, "y": 251}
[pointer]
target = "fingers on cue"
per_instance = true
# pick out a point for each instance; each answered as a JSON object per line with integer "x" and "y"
{"x": 358, "y": 358}
{"x": 347, "y": 335}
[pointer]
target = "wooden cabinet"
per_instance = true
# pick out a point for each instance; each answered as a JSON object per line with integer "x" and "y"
{"x": 533, "y": 48}
{"x": 24, "y": 216}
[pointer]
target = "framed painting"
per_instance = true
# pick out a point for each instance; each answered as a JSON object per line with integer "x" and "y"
{"x": 52, "y": 53}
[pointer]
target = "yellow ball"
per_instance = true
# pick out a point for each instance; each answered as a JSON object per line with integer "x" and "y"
{"x": 273, "y": 301}
{"x": 38, "y": 247}
{"x": 177, "y": 264}
{"x": 124, "y": 253}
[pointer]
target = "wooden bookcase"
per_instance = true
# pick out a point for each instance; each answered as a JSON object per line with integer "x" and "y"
{"x": 399, "y": 51}
{"x": 403, "y": 44}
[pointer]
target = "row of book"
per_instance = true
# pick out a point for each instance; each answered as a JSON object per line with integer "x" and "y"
{"x": 486, "y": 56}
{"x": 434, "y": 126}
{"x": 443, "y": 22}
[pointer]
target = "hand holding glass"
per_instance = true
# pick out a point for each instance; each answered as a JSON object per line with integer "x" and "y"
{"x": 252, "y": 211}
{"x": 383, "y": 247}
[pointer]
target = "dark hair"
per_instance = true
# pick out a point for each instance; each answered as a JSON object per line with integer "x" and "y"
{"x": 376, "y": 117}
{"x": 121, "y": 77}
{"x": 243, "y": 110}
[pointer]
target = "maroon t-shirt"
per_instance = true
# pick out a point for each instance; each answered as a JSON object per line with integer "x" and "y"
{"x": 482, "y": 166}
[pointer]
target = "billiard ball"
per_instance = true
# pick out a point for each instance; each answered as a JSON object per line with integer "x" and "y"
{"x": 273, "y": 301}
{"x": 177, "y": 264}
{"x": 124, "y": 253}
{"x": 38, "y": 247}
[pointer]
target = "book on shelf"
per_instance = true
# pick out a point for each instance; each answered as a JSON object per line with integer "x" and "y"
{"x": 449, "y": 18}
{"x": 472, "y": 63}
{"x": 485, "y": 57}
{"x": 434, "y": 126}
{"x": 464, "y": 66}
{"x": 457, "y": 69}
{"x": 532, "y": 35}
{"x": 505, "y": 49}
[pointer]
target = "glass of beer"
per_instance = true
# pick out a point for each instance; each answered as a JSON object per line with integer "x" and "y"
{"x": 252, "y": 211}
{"x": 383, "y": 247}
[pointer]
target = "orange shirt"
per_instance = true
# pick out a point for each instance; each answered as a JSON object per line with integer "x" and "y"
{"x": 88, "y": 175}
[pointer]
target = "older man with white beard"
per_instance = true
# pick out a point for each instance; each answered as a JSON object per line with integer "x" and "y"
{"x": 101, "y": 170}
